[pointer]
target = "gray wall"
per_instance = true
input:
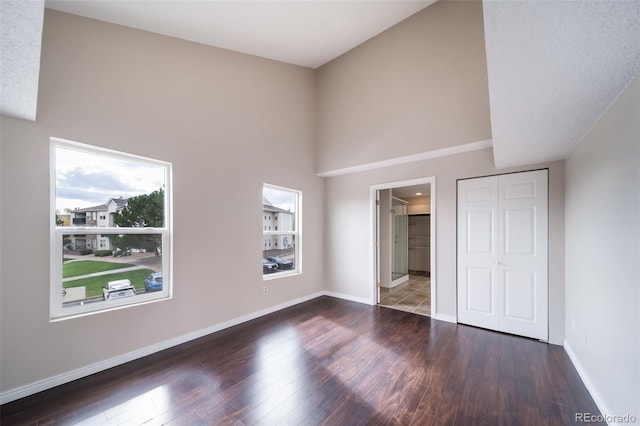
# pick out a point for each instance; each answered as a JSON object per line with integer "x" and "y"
{"x": 349, "y": 260}
{"x": 419, "y": 86}
{"x": 603, "y": 256}
{"x": 221, "y": 118}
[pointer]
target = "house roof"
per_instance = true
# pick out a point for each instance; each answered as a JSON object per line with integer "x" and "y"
{"x": 269, "y": 207}
{"x": 120, "y": 203}
{"x": 91, "y": 209}
{"x": 275, "y": 209}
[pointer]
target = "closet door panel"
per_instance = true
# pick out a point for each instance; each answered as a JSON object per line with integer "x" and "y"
{"x": 502, "y": 253}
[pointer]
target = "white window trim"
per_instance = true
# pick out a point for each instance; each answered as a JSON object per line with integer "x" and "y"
{"x": 297, "y": 233}
{"x": 56, "y": 311}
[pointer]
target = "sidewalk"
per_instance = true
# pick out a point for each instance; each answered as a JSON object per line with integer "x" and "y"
{"x": 97, "y": 274}
{"x": 133, "y": 258}
{"x": 148, "y": 260}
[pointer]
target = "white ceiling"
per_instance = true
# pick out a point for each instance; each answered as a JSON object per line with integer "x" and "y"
{"x": 554, "y": 67}
{"x": 20, "y": 43}
{"x": 409, "y": 192}
{"x": 307, "y": 33}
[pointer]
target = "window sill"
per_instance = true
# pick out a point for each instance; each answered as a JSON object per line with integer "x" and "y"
{"x": 282, "y": 274}
{"x": 113, "y": 306}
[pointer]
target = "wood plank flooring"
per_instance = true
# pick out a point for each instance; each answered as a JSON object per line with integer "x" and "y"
{"x": 332, "y": 362}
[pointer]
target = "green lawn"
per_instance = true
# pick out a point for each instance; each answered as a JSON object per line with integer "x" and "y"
{"x": 83, "y": 267}
{"x": 94, "y": 284}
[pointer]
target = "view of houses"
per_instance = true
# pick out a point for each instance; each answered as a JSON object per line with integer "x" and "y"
{"x": 276, "y": 219}
{"x": 90, "y": 280}
{"x": 100, "y": 216}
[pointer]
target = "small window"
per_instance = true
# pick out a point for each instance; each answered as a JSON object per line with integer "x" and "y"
{"x": 136, "y": 244}
{"x": 282, "y": 256}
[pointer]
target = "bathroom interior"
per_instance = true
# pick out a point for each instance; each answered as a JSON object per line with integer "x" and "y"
{"x": 404, "y": 227}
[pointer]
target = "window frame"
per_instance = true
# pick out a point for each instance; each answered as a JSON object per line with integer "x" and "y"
{"x": 297, "y": 234}
{"x": 57, "y": 311}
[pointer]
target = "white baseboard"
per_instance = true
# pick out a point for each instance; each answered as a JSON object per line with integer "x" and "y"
{"x": 41, "y": 385}
{"x": 587, "y": 382}
{"x": 445, "y": 317}
{"x": 401, "y": 280}
{"x": 347, "y": 297}
{"x": 48, "y": 383}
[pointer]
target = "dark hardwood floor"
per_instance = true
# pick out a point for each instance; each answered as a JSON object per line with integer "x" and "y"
{"x": 327, "y": 361}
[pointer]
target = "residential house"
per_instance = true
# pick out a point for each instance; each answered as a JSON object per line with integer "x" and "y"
{"x": 100, "y": 216}
{"x": 418, "y": 100}
{"x": 276, "y": 219}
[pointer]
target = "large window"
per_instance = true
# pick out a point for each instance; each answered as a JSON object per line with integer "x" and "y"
{"x": 280, "y": 231}
{"x": 111, "y": 229}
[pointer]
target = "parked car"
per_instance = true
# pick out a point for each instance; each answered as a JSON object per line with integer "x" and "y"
{"x": 153, "y": 282}
{"x": 118, "y": 289}
{"x": 119, "y": 252}
{"x": 268, "y": 266}
{"x": 281, "y": 262}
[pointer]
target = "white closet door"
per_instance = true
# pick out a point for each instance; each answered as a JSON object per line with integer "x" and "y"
{"x": 478, "y": 252}
{"x": 523, "y": 260}
{"x": 502, "y": 253}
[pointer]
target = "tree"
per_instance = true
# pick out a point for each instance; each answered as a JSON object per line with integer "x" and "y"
{"x": 66, "y": 239}
{"x": 142, "y": 211}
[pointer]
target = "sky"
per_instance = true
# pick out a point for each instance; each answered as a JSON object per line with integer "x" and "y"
{"x": 282, "y": 199}
{"x": 86, "y": 179}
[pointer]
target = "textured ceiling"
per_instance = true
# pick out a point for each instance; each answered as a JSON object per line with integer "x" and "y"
{"x": 554, "y": 67}
{"x": 20, "y": 43}
{"x": 307, "y": 33}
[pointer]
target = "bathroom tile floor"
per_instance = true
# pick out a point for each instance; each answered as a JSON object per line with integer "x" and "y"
{"x": 411, "y": 296}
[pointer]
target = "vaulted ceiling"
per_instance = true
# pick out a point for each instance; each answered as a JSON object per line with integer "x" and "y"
{"x": 554, "y": 67}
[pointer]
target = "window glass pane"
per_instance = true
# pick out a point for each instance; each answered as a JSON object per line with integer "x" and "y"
{"x": 115, "y": 260}
{"x": 93, "y": 189}
{"x": 127, "y": 266}
{"x": 279, "y": 253}
{"x": 279, "y": 208}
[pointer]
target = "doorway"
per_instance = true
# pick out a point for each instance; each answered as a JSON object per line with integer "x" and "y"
{"x": 403, "y": 217}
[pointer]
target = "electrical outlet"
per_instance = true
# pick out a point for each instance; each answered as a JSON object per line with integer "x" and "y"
{"x": 265, "y": 290}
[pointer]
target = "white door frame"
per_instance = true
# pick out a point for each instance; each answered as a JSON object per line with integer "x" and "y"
{"x": 373, "y": 189}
